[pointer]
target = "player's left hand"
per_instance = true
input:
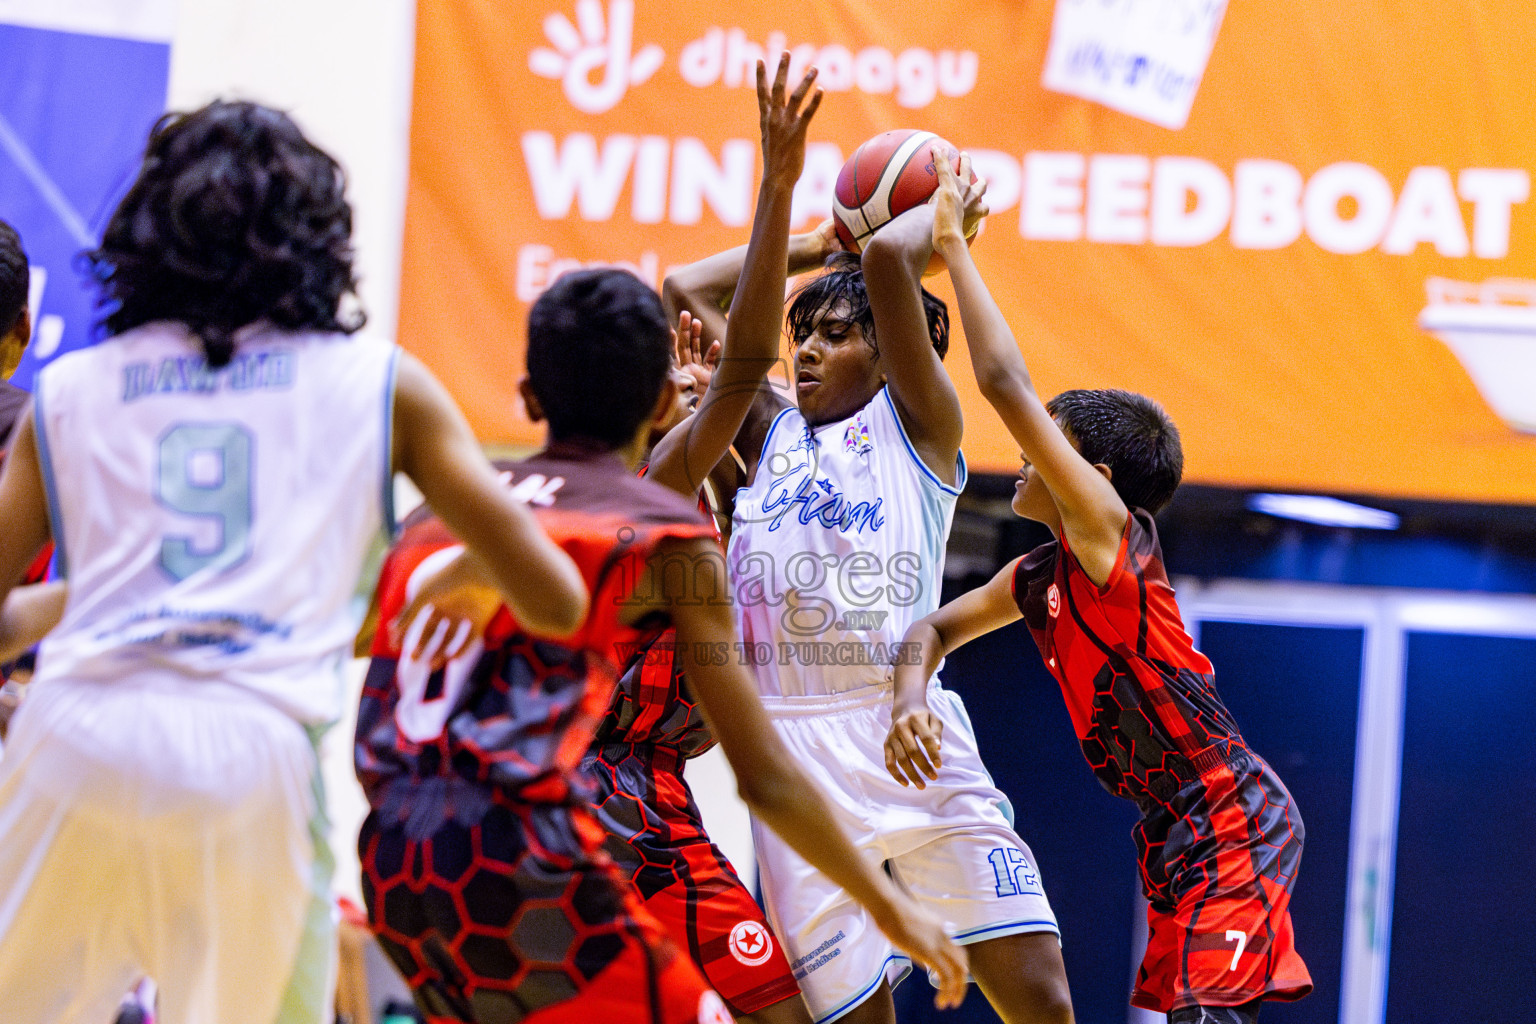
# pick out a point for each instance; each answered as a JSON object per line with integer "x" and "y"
{"x": 912, "y": 746}
{"x": 692, "y": 358}
{"x": 451, "y": 606}
{"x": 783, "y": 122}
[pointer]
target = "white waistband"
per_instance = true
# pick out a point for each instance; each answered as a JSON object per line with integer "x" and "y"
{"x": 828, "y": 703}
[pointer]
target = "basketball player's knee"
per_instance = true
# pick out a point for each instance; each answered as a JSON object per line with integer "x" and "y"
{"x": 1043, "y": 998}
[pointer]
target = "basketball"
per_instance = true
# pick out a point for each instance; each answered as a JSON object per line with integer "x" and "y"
{"x": 885, "y": 177}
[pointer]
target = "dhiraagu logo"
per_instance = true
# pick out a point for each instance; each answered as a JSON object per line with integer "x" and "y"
{"x": 595, "y": 46}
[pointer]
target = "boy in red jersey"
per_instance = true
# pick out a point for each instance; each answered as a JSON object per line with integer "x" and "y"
{"x": 482, "y": 869}
{"x": 1220, "y": 837}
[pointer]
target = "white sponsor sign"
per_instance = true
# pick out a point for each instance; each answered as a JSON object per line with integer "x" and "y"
{"x": 1140, "y": 57}
{"x": 152, "y": 21}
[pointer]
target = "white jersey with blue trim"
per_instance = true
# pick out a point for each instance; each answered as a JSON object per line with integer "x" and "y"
{"x": 837, "y": 548}
{"x": 217, "y": 524}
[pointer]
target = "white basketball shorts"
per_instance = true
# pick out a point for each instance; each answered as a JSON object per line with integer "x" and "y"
{"x": 951, "y": 846}
{"x": 167, "y": 828}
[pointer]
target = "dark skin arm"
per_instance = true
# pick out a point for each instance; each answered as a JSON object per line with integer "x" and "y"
{"x": 708, "y": 287}
{"x": 894, "y": 260}
{"x": 768, "y": 779}
{"x": 1092, "y": 514}
{"x": 29, "y": 614}
{"x": 912, "y": 746}
{"x": 435, "y": 448}
{"x": 922, "y": 392}
{"x": 24, "y": 511}
{"x": 683, "y": 458}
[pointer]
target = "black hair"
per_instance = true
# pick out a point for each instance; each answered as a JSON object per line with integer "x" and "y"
{"x": 842, "y": 288}
{"x": 1129, "y": 433}
{"x": 235, "y": 217}
{"x": 599, "y": 352}
{"x": 15, "y": 278}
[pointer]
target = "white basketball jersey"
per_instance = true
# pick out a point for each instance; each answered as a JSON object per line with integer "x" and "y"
{"x": 216, "y": 524}
{"x": 836, "y": 548}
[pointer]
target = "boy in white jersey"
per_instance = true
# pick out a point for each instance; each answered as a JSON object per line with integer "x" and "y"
{"x": 215, "y": 475}
{"x": 838, "y": 544}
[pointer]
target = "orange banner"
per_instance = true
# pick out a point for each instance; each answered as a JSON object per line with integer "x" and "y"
{"x": 1328, "y": 276}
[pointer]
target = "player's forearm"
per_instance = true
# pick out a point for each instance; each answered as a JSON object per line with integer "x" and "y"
{"x": 710, "y": 283}
{"x": 757, "y": 308}
{"x": 910, "y": 692}
{"x": 538, "y": 581}
{"x": 508, "y": 549}
{"x": 436, "y": 449}
{"x": 28, "y": 615}
{"x": 901, "y": 248}
{"x": 807, "y": 252}
{"x": 1001, "y": 373}
{"x": 683, "y": 459}
{"x": 704, "y": 285}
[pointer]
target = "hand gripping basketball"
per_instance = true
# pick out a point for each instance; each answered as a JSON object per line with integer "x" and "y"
{"x": 887, "y": 176}
{"x": 958, "y": 211}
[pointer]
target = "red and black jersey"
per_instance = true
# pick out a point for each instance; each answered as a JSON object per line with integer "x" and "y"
{"x": 1142, "y": 699}
{"x": 652, "y": 703}
{"x": 520, "y": 715}
{"x": 1220, "y": 838}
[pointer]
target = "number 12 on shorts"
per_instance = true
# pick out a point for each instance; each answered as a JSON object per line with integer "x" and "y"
{"x": 1013, "y": 874}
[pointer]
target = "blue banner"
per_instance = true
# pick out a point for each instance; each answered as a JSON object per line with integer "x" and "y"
{"x": 75, "y": 111}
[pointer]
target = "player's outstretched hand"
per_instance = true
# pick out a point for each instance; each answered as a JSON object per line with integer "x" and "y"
{"x": 958, "y": 209}
{"x": 783, "y": 123}
{"x": 912, "y": 746}
{"x": 451, "y": 605}
{"x": 692, "y": 359}
{"x": 921, "y": 936}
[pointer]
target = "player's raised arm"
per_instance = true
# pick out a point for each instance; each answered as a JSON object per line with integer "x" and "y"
{"x": 1092, "y": 514}
{"x": 912, "y": 746}
{"x": 770, "y": 782}
{"x": 435, "y": 448}
{"x": 685, "y": 456}
{"x": 706, "y": 289}
{"x": 893, "y": 260}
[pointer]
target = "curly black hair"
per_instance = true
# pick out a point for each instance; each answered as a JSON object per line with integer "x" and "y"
{"x": 235, "y": 217}
{"x": 842, "y": 288}
{"x": 15, "y": 277}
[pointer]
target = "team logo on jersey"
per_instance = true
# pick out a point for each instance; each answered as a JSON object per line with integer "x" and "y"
{"x": 750, "y": 943}
{"x": 856, "y": 439}
{"x": 1053, "y": 601}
